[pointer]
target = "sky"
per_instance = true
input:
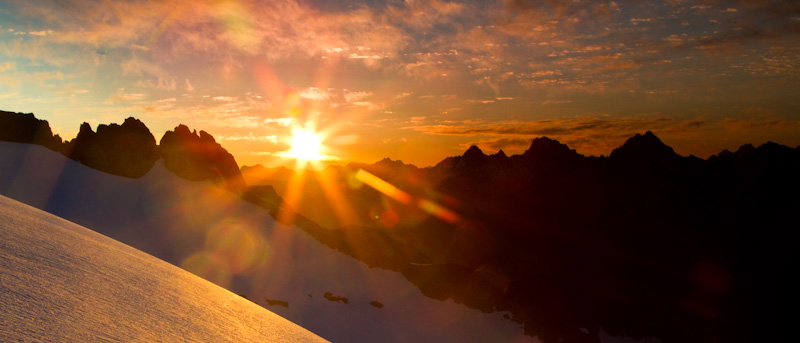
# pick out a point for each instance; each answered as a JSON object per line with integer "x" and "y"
{"x": 411, "y": 80}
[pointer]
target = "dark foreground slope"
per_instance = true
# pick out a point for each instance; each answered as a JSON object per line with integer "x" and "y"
{"x": 62, "y": 282}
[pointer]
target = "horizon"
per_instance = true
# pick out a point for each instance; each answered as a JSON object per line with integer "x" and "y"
{"x": 297, "y": 163}
{"x": 414, "y": 80}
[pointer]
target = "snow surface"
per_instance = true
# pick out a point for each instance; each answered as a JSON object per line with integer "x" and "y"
{"x": 62, "y": 282}
{"x": 237, "y": 245}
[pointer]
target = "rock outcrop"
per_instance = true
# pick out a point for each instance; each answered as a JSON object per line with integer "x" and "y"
{"x": 25, "y": 128}
{"x": 127, "y": 150}
{"x": 198, "y": 157}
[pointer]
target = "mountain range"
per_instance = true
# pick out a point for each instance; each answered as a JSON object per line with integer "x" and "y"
{"x": 642, "y": 243}
{"x": 130, "y": 150}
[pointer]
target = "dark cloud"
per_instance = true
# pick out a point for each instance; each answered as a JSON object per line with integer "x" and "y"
{"x": 501, "y": 143}
{"x": 555, "y": 127}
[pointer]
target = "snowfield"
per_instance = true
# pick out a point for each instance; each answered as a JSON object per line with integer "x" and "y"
{"x": 232, "y": 243}
{"x": 62, "y": 282}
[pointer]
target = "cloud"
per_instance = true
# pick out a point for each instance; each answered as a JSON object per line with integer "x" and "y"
{"x": 314, "y": 93}
{"x": 40, "y": 33}
{"x": 543, "y": 127}
{"x": 496, "y": 144}
{"x": 164, "y": 83}
{"x": 556, "y": 102}
{"x": 422, "y": 40}
{"x": 8, "y": 66}
{"x": 272, "y": 139}
{"x": 137, "y": 67}
{"x": 122, "y": 96}
{"x": 367, "y": 105}
{"x": 280, "y": 121}
{"x": 356, "y": 96}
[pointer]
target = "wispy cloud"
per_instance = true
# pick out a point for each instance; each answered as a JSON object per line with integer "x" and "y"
{"x": 314, "y": 93}
{"x": 356, "y": 96}
{"x": 7, "y": 66}
{"x": 550, "y": 127}
{"x": 121, "y": 96}
{"x": 273, "y": 139}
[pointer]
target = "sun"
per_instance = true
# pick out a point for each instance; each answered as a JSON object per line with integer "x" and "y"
{"x": 306, "y": 145}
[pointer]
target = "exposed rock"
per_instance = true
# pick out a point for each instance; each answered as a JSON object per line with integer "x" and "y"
{"x": 276, "y": 302}
{"x": 198, "y": 157}
{"x": 335, "y": 298}
{"x": 25, "y": 128}
{"x": 127, "y": 150}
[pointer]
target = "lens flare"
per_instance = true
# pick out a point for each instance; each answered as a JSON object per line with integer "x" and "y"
{"x": 390, "y": 190}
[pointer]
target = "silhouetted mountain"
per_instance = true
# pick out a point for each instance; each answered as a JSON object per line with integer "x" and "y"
{"x": 500, "y": 155}
{"x": 25, "y": 128}
{"x": 198, "y": 157}
{"x": 645, "y": 150}
{"x": 644, "y": 243}
{"x": 126, "y": 150}
{"x": 741, "y": 152}
{"x": 544, "y": 148}
{"x": 389, "y": 170}
{"x": 473, "y": 164}
{"x": 258, "y": 173}
{"x": 130, "y": 149}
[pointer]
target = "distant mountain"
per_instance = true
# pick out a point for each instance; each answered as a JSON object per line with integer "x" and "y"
{"x": 546, "y": 149}
{"x": 258, "y": 173}
{"x": 644, "y": 147}
{"x": 386, "y": 168}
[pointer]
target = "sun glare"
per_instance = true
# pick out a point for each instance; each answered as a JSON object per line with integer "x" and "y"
{"x": 306, "y": 145}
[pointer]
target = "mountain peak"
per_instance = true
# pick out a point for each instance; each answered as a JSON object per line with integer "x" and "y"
{"x": 199, "y": 157}
{"x": 127, "y": 150}
{"x": 644, "y": 147}
{"x": 389, "y": 161}
{"x": 474, "y": 151}
{"x": 546, "y": 147}
{"x": 745, "y": 149}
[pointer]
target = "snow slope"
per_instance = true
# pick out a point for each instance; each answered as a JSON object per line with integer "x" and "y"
{"x": 62, "y": 282}
{"x": 237, "y": 245}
